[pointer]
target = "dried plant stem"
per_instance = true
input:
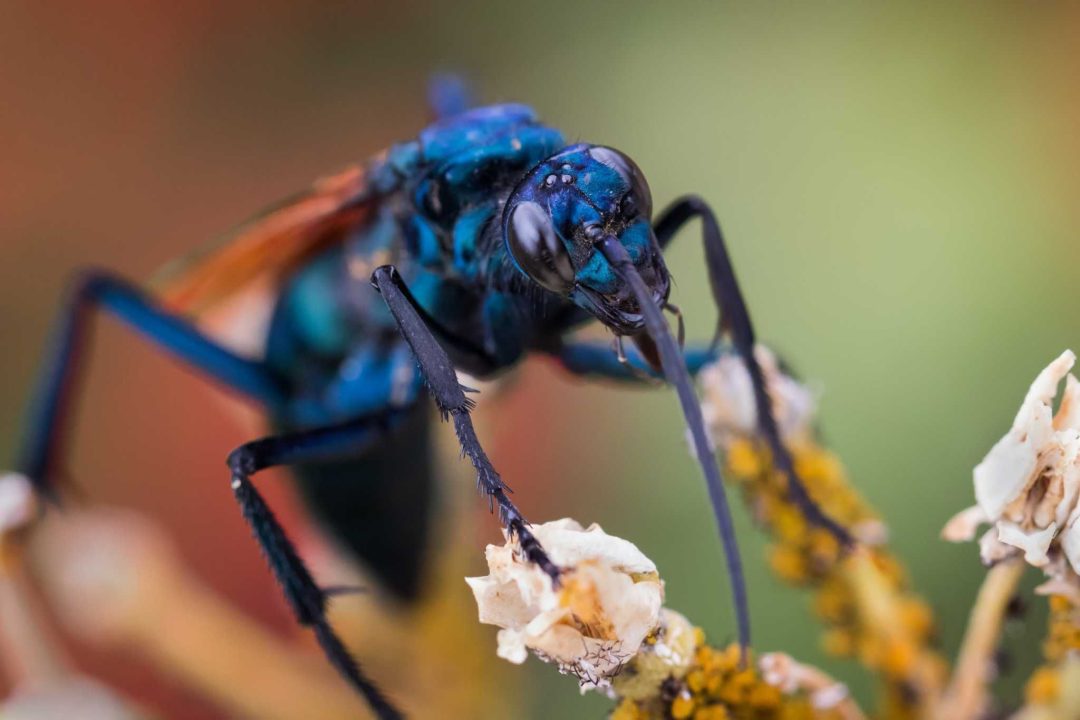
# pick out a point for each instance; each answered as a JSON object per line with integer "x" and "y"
{"x": 879, "y": 608}
{"x": 967, "y": 695}
{"x": 29, "y": 654}
{"x": 141, "y": 596}
{"x": 223, "y": 653}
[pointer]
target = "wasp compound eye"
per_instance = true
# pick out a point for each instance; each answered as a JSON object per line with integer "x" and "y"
{"x": 537, "y": 249}
{"x": 639, "y": 197}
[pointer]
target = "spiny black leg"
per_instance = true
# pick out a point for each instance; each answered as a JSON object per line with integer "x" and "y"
{"x": 307, "y": 599}
{"x": 735, "y": 319}
{"x": 449, "y": 395}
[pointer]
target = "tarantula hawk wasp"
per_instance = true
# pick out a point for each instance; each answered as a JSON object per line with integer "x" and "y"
{"x": 486, "y": 238}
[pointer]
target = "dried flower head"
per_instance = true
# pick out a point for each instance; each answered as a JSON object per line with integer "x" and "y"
{"x": 605, "y": 625}
{"x": 1027, "y": 485}
{"x": 607, "y": 603}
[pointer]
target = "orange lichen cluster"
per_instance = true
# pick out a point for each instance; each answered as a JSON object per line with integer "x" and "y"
{"x": 863, "y": 596}
{"x": 1062, "y": 641}
{"x": 1053, "y": 692}
{"x": 1063, "y": 633}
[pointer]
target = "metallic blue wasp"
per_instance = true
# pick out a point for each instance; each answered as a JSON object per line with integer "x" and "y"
{"x": 486, "y": 239}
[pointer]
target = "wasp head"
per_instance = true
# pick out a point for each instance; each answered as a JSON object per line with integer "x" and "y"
{"x": 555, "y": 218}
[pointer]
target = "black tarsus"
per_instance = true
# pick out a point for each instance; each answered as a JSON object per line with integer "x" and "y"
{"x": 307, "y": 600}
{"x": 449, "y": 395}
{"x": 735, "y": 319}
{"x": 675, "y": 370}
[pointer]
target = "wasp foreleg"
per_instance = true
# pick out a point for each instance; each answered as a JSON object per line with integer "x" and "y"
{"x": 449, "y": 395}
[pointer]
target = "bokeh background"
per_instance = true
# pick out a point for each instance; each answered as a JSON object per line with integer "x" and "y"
{"x": 898, "y": 185}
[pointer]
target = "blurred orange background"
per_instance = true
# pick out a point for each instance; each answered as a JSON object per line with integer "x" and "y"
{"x": 899, "y": 187}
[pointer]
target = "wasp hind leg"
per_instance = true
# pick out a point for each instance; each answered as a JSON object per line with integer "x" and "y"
{"x": 307, "y": 599}
{"x": 735, "y": 320}
{"x": 41, "y": 451}
{"x": 449, "y": 395}
{"x": 50, "y": 411}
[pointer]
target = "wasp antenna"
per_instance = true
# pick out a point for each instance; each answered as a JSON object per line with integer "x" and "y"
{"x": 675, "y": 371}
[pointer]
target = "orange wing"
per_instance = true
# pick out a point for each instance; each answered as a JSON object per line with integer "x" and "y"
{"x": 268, "y": 247}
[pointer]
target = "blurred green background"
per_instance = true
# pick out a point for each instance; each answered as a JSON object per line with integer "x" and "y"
{"x": 898, "y": 186}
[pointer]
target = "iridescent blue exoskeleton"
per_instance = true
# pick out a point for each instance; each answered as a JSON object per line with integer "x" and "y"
{"x": 486, "y": 239}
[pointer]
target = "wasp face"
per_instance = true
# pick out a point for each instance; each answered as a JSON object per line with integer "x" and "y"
{"x": 558, "y": 213}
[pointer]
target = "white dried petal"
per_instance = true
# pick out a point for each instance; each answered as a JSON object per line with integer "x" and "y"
{"x": 1034, "y": 543}
{"x": 1068, "y": 414}
{"x": 1067, "y": 585}
{"x": 1061, "y": 580}
{"x": 1070, "y": 540}
{"x": 17, "y": 502}
{"x": 1013, "y": 464}
{"x": 962, "y": 526}
{"x": 992, "y": 550}
{"x": 788, "y": 675}
{"x": 780, "y": 670}
{"x": 510, "y": 646}
{"x": 728, "y": 404}
{"x": 1068, "y": 475}
{"x": 872, "y": 532}
{"x": 829, "y": 697}
{"x": 608, "y": 602}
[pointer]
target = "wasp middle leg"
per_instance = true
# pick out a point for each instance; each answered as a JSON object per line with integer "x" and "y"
{"x": 50, "y": 409}
{"x": 591, "y": 359}
{"x": 41, "y": 454}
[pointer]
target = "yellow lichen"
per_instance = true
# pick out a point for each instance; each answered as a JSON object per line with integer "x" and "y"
{"x": 1062, "y": 643}
{"x": 717, "y": 686}
{"x": 862, "y": 597}
{"x": 1043, "y": 686}
{"x": 883, "y": 625}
